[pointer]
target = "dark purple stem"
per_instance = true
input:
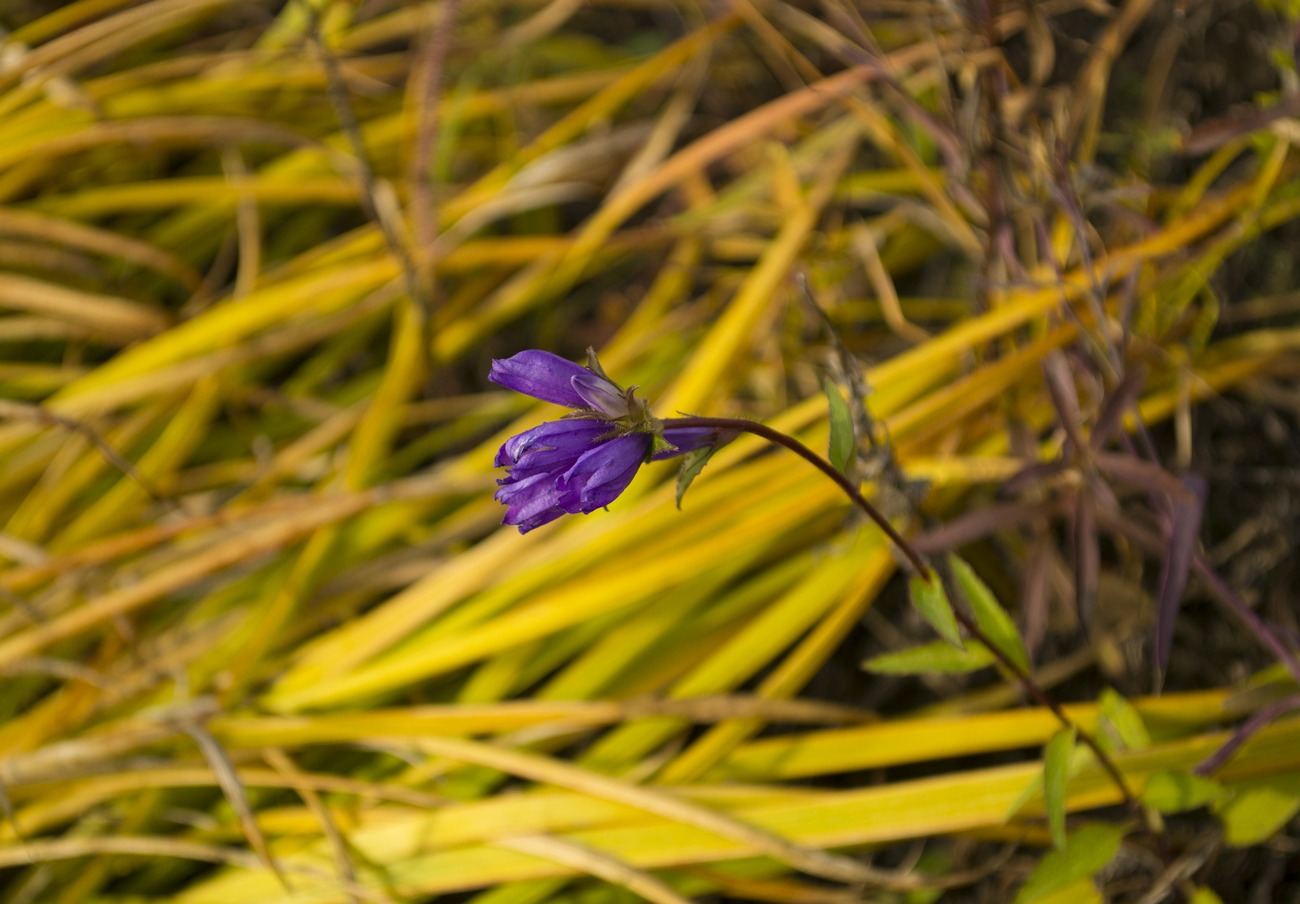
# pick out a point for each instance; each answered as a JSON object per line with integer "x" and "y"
{"x": 808, "y": 455}
{"x": 1237, "y": 606}
{"x": 1221, "y": 590}
{"x": 1036, "y": 693}
{"x": 1266, "y": 716}
{"x": 918, "y": 564}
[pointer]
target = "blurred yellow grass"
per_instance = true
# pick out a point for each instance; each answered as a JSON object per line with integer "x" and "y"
{"x": 303, "y": 558}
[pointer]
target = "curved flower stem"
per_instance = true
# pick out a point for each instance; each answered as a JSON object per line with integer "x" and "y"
{"x": 1036, "y": 693}
{"x": 808, "y": 455}
{"x": 1023, "y": 678}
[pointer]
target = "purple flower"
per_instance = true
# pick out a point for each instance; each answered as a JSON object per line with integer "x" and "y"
{"x": 584, "y": 461}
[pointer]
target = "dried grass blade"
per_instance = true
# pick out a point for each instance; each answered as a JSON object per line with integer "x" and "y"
{"x": 41, "y": 850}
{"x": 1185, "y": 527}
{"x": 1087, "y": 554}
{"x": 233, "y": 789}
{"x": 118, "y": 318}
{"x": 101, "y": 241}
{"x": 181, "y": 574}
{"x": 659, "y": 802}
{"x": 594, "y": 863}
{"x": 1118, "y": 403}
{"x": 792, "y": 673}
{"x": 280, "y": 762}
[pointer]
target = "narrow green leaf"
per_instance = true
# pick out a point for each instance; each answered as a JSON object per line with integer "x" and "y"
{"x": 1173, "y": 791}
{"x": 1081, "y": 757}
{"x": 692, "y": 464}
{"x": 1031, "y": 790}
{"x": 1056, "y": 774}
{"x": 1088, "y": 850}
{"x": 930, "y": 600}
{"x": 989, "y": 614}
{"x": 931, "y": 657}
{"x": 1122, "y": 727}
{"x": 1082, "y": 891}
{"x": 843, "y": 442}
{"x": 1259, "y": 808}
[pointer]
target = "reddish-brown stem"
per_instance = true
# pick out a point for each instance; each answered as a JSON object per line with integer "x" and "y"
{"x": 808, "y": 455}
{"x": 1036, "y": 693}
{"x": 1026, "y": 681}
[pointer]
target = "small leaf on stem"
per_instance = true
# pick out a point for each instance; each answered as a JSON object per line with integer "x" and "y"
{"x": 1089, "y": 850}
{"x": 937, "y": 657}
{"x": 843, "y": 442}
{"x": 1056, "y": 773}
{"x": 1121, "y": 724}
{"x": 989, "y": 614}
{"x": 930, "y": 600}
{"x": 1176, "y": 791}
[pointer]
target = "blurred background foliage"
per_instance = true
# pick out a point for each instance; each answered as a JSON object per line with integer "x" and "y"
{"x": 263, "y": 639}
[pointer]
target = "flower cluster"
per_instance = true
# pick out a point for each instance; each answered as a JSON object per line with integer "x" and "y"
{"x": 585, "y": 460}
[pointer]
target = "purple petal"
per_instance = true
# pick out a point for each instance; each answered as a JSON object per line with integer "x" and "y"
{"x": 602, "y": 473}
{"x": 530, "y": 502}
{"x": 600, "y": 394}
{"x": 567, "y": 437}
{"x": 519, "y": 491}
{"x": 687, "y": 439}
{"x": 537, "y": 520}
{"x": 541, "y": 375}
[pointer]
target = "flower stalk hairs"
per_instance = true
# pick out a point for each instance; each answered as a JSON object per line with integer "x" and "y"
{"x": 583, "y": 461}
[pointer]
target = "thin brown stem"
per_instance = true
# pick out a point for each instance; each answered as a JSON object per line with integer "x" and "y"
{"x": 944, "y": 573}
{"x": 808, "y": 455}
{"x": 375, "y": 208}
{"x": 427, "y": 80}
{"x": 1036, "y": 693}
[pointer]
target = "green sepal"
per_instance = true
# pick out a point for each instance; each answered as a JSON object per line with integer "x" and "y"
{"x": 593, "y": 365}
{"x": 658, "y": 446}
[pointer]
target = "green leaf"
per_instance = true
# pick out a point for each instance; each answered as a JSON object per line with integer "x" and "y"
{"x": 1056, "y": 774}
{"x": 1205, "y": 895}
{"x": 1174, "y": 791}
{"x": 932, "y": 862}
{"x": 930, "y": 600}
{"x": 1121, "y": 724}
{"x": 1082, "y": 891}
{"x": 1088, "y": 850}
{"x": 692, "y": 464}
{"x": 931, "y": 657}
{"x": 989, "y": 614}
{"x": 1259, "y": 808}
{"x": 843, "y": 442}
{"x": 1081, "y": 757}
{"x": 1032, "y": 789}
